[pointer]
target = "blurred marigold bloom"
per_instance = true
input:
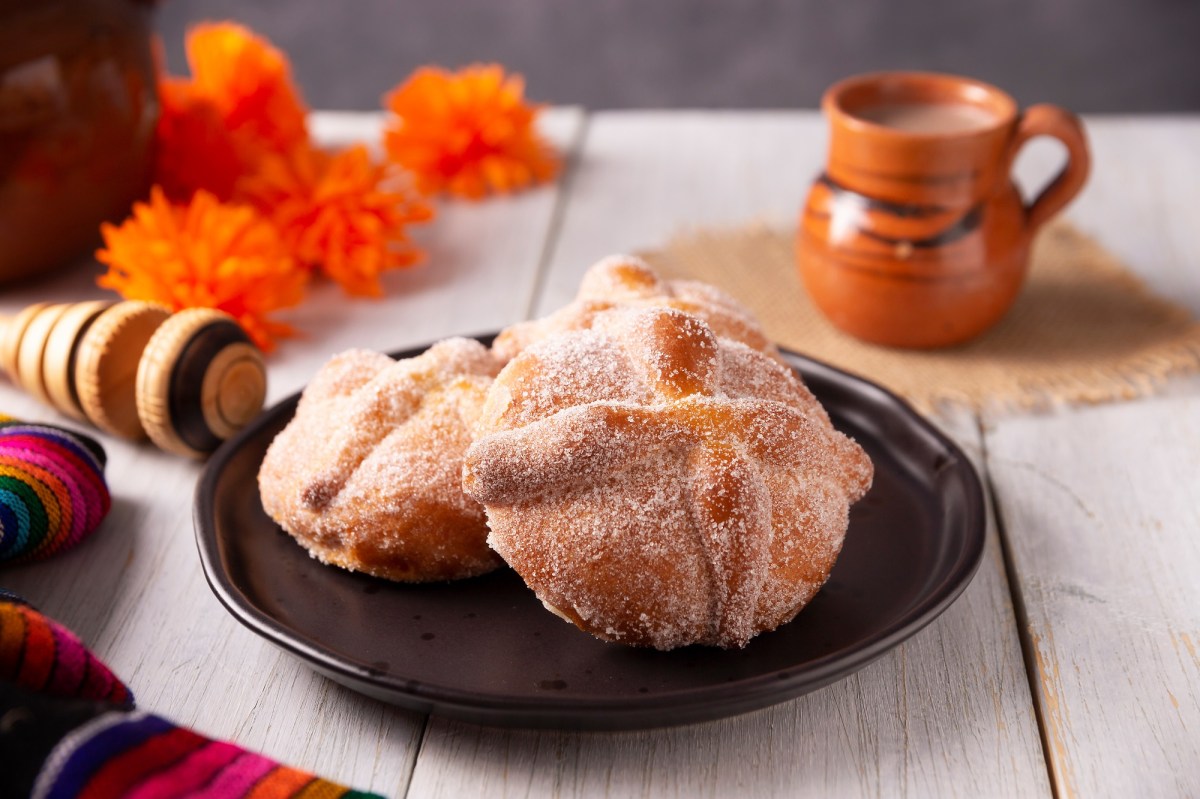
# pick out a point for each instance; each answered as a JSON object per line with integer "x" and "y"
{"x": 339, "y": 213}
{"x": 467, "y": 133}
{"x": 193, "y": 150}
{"x": 250, "y": 82}
{"x": 239, "y": 106}
{"x": 204, "y": 254}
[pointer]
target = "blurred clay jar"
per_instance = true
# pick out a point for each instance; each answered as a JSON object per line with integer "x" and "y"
{"x": 78, "y": 106}
{"x": 915, "y": 235}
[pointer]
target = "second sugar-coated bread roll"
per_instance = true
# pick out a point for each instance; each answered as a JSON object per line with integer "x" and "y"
{"x": 368, "y": 474}
{"x": 626, "y": 281}
{"x": 659, "y": 486}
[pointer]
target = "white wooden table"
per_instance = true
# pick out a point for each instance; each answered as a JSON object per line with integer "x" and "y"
{"x": 1070, "y": 667}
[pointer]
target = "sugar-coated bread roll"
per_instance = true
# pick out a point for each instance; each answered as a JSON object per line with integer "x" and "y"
{"x": 368, "y": 474}
{"x": 660, "y": 486}
{"x": 621, "y": 281}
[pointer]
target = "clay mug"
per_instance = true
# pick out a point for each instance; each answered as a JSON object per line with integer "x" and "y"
{"x": 915, "y": 235}
{"x": 78, "y": 108}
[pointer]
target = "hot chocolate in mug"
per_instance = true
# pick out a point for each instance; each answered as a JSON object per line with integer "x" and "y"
{"x": 915, "y": 234}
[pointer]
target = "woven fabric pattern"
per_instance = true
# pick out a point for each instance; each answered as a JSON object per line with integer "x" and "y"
{"x": 142, "y": 755}
{"x": 40, "y": 654}
{"x": 68, "y": 721}
{"x": 1084, "y": 329}
{"x": 52, "y": 489}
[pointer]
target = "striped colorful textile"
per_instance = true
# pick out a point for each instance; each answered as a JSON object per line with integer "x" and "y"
{"x": 141, "y": 756}
{"x": 40, "y": 654}
{"x": 52, "y": 489}
{"x": 67, "y": 727}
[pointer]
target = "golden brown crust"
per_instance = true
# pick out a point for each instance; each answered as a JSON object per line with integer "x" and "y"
{"x": 367, "y": 476}
{"x": 626, "y": 281}
{"x": 660, "y": 486}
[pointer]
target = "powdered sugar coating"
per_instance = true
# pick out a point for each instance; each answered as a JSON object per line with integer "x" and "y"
{"x": 660, "y": 486}
{"x": 368, "y": 474}
{"x": 621, "y": 281}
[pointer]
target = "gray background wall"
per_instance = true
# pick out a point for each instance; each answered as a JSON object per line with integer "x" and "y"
{"x": 1090, "y": 55}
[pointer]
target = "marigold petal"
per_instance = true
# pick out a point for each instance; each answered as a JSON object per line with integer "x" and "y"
{"x": 239, "y": 105}
{"x": 467, "y": 133}
{"x": 203, "y": 254}
{"x": 340, "y": 213}
{"x": 193, "y": 150}
{"x": 250, "y": 82}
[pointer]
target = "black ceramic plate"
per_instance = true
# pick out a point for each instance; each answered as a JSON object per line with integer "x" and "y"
{"x": 485, "y": 650}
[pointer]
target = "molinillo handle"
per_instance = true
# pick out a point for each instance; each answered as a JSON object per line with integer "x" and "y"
{"x": 187, "y": 380}
{"x": 1050, "y": 120}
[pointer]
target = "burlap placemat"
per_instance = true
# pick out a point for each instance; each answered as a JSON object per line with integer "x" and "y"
{"x": 1084, "y": 329}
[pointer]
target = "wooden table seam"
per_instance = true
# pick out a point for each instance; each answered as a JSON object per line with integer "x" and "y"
{"x": 1020, "y": 614}
{"x": 566, "y": 181}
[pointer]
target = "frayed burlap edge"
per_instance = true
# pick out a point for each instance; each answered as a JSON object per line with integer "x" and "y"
{"x": 1084, "y": 330}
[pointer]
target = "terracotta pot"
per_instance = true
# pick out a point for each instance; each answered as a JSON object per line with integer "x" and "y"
{"x": 915, "y": 235}
{"x": 78, "y": 106}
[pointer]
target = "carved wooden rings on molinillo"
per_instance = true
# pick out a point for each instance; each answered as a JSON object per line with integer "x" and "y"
{"x": 199, "y": 381}
{"x": 188, "y": 380}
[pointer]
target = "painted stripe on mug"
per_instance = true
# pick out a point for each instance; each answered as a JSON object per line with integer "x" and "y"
{"x": 901, "y": 210}
{"x": 915, "y": 178}
{"x": 906, "y": 277}
{"x": 964, "y": 226}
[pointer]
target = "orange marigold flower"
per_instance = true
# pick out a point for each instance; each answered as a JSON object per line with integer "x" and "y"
{"x": 239, "y": 106}
{"x": 467, "y": 133}
{"x": 250, "y": 83}
{"x": 193, "y": 148}
{"x": 338, "y": 213}
{"x": 203, "y": 254}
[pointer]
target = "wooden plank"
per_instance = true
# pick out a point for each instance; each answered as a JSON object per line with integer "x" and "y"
{"x": 135, "y": 591}
{"x": 946, "y": 714}
{"x": 1098, "y": 506}
{"x": 1099, "y": 511}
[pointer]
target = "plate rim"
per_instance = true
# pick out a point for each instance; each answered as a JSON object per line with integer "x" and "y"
{"x": 630, "y": 712}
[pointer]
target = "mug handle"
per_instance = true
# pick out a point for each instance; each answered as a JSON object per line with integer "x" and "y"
{"x": 1050, "y": 120}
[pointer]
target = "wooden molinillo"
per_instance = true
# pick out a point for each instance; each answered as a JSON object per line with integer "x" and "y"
{"x": 188, "y": 380}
